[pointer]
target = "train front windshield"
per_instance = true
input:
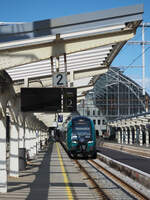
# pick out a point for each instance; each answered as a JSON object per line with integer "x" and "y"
{"x": 81, "y": 127}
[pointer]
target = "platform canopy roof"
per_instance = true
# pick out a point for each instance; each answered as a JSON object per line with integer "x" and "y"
{"x": 90, "y": 42}
{"x": 133, "y": 120}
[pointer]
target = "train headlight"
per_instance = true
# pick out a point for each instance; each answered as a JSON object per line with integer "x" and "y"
{"x": 90, "y": 145}
{"x": 74, "y": 139}
{"x": 74, "y": 142}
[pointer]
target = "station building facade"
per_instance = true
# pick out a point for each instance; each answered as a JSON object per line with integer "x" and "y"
{"x": 116, "y": 96}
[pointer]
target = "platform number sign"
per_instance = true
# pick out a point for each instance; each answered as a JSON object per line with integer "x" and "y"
{"x": 59, "y": 79}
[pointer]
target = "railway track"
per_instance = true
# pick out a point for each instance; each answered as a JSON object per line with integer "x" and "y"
{"x": 108, "y": 185}
{"x": 93, "y": 182}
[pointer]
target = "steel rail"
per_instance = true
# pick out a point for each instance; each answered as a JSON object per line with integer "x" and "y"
{"x": 119, "y": 181}
{"x": 91, "y": 180}
{"x": 101, "y": 193}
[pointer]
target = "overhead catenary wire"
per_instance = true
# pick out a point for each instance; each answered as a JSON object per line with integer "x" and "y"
{"x": 137, "y": 57}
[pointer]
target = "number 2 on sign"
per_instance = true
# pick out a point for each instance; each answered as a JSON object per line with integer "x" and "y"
{"x": 59, "y": 77}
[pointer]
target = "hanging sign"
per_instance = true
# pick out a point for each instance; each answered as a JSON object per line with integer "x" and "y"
{"x": 59, "y": 79}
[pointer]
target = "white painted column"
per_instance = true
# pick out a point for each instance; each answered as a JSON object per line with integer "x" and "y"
{"x": 42, "y": 136}
{"x": 27, "y": 141}
{"x": 122, "y": 133}
{"x": 38, "y": 140}
{"x": 21, "y": 137}
{"x": 141, "y": 136}
{"x": 34, "y": 143}
{"x": 131, "y": 136}
{"x": 135, "y": 135}
{"x": 31, "y": 143}
{"x": 3, "y": 166}
{"x": 147, "y": 136}
{"x": 126, "y": 135}
{"x": 45, "y": 137}
{"x": 14, "y": 151}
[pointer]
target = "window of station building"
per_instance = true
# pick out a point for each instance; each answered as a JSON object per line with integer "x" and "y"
{"x": 98, "y": 112}
{"x": 99, "y": 121}
{"x": 93, "y": 112}
{"x": 104, "y": 122}
{"x": 88, "y": 112}
{"x": 94, "y": 121}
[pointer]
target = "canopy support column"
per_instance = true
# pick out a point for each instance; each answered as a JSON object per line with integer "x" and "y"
{"x": 147, "y": 136}
{"x": 14, "y": 151}
{"x": 3, "y": 171}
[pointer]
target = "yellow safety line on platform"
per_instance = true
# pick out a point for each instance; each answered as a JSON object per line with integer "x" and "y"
{"x": 70, "y": 197}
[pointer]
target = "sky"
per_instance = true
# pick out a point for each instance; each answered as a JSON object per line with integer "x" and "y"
{"x": 34, "y": 10}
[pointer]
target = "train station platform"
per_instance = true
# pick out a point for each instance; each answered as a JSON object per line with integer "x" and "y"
{"x": 52, "y": 175}
{"x": 142, "y": 151}
{"x": 133, "y": 161}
